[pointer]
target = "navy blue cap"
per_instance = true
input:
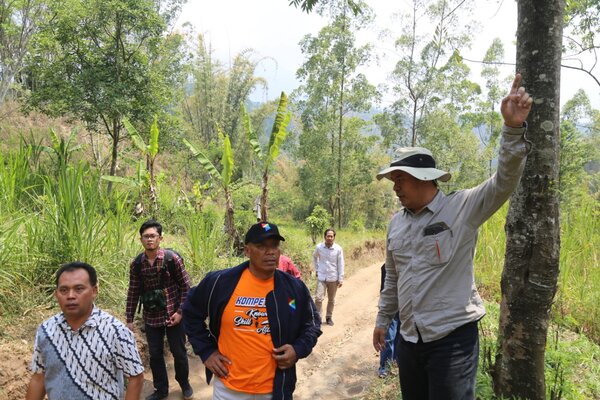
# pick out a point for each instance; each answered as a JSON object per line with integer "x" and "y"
{"x": 261, "y": 231}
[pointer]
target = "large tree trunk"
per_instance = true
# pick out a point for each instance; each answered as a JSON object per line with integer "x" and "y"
{"x": 532, "y": 228}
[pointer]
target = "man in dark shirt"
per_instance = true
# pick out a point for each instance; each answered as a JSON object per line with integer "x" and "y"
{"x": 168, "y": 287}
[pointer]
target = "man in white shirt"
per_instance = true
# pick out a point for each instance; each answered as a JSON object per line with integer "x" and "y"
{"x": 328, "y": 259}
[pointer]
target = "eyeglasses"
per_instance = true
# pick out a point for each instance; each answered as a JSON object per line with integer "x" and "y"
{"x": 148, "y": 237}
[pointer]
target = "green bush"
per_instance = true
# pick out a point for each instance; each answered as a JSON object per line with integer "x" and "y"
{"x": 317, "y": 222}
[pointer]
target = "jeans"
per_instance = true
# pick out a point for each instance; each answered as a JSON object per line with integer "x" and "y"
{"x": 176, "y": 338}
{"x": 388, "y": 354}
{"x": 444, "y": 369}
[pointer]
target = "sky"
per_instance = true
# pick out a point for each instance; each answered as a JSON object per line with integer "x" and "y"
{"x": 273, "y": 29}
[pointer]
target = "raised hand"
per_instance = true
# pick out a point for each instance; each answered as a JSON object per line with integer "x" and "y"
{"x": 516, "y": 105}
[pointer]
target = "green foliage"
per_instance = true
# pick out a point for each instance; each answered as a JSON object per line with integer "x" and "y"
{"x": 331, "y": 89}
{"x": 279, "y": 131}
{"x": 583, "y": 17}
{"x": 98, "y": 60}
{"x": 356, "y": 226}
{"x": 204, "y": 242}
{"x": 278, "y": 134}
{"x": 61, "y": 149}
{"x": 251, "y": 133}
{"x": 204, "y": 161}
{"x": 227, "y": 162}
{"x": 225, "y": 181}
{"x": 576, "y": 152}
{"x": 19, "y": 22}
{"x": 138, "y": 181}
{"x": 578, "y": 297}
{"x": 16, "y": 179}
{"x": 151, "y": 149}
{"x": 218, "y": 92}
{"x": 456, "y": 150}
{"x": 317, "y": 222}
{"x": 430, "y": 73}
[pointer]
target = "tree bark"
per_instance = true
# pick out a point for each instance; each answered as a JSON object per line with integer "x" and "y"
{"x": 234, "y": 238}
{"x": 114, "y": 154}
{"x": 264, "y": 207}
{"x": 531, "y": 265}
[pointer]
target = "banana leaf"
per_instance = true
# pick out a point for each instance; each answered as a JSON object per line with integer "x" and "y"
{"x": 252, "y": 137}
{"x": 203, "y": 160}
{"x": 135, "y": 137}
{"x": 227, "y": 161}
{"x": 279, "y": 131}
{"x": 119, "y": 179}
{"x": 153, "y": 146}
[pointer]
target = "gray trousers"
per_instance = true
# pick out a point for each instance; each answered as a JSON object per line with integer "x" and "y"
{"x": 222, "y": 392}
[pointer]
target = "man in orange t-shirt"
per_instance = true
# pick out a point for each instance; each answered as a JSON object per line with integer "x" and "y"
{"x": 260, "y": 322}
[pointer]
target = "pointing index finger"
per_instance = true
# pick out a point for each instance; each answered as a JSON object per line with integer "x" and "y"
{"x": 515, "y": 85}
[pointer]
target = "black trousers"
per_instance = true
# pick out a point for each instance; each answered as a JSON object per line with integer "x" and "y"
{"x": 444, "y": 369}
{"x": 176, "y": 338}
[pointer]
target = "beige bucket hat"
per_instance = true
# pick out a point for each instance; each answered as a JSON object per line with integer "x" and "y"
{"x": 417, "y": 161}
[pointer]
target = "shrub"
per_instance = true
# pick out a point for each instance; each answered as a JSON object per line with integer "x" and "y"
{"x": 317, "y": 222}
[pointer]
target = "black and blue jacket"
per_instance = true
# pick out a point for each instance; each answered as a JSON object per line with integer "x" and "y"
{"x": 293, "y": 319}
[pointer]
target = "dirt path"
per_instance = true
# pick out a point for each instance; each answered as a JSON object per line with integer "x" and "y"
{"x": 342, "y": 365}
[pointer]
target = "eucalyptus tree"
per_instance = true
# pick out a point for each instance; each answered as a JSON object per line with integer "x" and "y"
{"x": 331, "y": 89}
{"x": 531, "y": 267}
{"x": 582, "y": 42}
{"x": 278, "y": 134}
{"x": 100, "y": 60}
{"x": 494, "y": 85}
{"x": 579, "y": 126}
{"x": 19, "y": 22}
{"x": 431, "y": 32}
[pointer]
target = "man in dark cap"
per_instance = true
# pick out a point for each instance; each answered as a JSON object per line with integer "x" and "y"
{"x": 261, "y": 321}
{"x": 429, "y": 262}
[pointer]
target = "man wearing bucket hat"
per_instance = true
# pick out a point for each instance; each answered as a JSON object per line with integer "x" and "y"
{"x": 429, "y": 261}
{"x": 261, "y": 321}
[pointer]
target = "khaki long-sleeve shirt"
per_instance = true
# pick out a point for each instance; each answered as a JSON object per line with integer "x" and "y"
{"x": 429, "y": 255}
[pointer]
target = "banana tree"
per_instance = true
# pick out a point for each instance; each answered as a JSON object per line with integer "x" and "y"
{"x": 137, "y": 182}
{"x": 223, "y": 178}
{"x": 149, "y": 150}
{"x": 278, "y": 134}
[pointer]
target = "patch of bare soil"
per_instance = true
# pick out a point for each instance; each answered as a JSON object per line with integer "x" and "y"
{"x": 14, "y": 375}
{"x": 344, "y": 363}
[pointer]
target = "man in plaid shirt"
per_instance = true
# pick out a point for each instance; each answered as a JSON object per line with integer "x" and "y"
{"x": 153, "y": 274}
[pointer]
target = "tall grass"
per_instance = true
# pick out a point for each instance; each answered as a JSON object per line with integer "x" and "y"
{"x": 16, "y": 179}
{"x": 577, "y": 302}
{"x": 578, "y": 298}
{"x": 48, "y": 219}
{"x": 205, "y": 240}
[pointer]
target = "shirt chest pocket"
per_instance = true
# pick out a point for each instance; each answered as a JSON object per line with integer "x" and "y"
{"x": 437, "y": 249}
{"x": 400, "y": 249}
